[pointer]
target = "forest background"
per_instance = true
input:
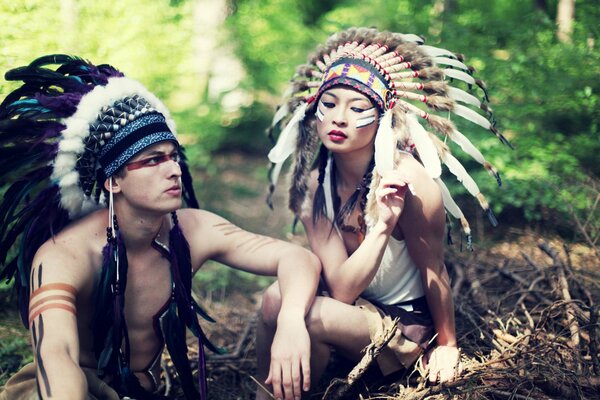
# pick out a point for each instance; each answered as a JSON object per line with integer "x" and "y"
{"x": 221, "y": 67}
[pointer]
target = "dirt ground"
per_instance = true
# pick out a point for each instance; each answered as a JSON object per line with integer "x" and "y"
{"x": 526, "y": 312}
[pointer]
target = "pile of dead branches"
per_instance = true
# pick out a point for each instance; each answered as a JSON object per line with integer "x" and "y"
{"x": 527, "y": 324}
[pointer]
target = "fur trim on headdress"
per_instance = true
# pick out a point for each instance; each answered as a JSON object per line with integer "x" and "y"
{"x": 77, "y": 128}
{"x": 415, "y": 86}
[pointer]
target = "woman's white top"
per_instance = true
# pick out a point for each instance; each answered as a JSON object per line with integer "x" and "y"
{"x": 397, "y": 279}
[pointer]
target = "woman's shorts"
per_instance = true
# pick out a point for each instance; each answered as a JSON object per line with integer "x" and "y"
{"x": 413, "y": 334}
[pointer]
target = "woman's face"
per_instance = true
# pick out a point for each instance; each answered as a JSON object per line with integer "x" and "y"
{"x": 346, "y": 120}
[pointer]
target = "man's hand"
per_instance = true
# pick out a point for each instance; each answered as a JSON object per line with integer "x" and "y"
{"x": 289, "y": 373}
{"x": 444, "y": 364}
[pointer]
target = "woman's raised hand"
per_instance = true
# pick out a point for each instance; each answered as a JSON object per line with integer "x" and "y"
{"x": 390, "y": 196}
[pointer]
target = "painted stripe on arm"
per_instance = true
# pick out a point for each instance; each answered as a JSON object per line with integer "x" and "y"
{"x": 52, "y": 296}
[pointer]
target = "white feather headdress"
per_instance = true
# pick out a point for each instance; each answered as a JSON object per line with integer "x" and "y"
{"x": 416, "y": 88}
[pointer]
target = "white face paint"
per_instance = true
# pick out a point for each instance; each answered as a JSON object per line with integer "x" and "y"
{"x": 319, "y": 112}
{"x": 367, "y": 119}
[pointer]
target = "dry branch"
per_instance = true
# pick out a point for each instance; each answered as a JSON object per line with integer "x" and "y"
{"x": 339, "y": 387}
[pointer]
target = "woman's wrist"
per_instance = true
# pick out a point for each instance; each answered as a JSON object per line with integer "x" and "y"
{"x": 382, "y": 228}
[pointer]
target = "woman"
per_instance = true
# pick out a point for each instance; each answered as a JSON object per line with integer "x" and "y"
{"x": 373, "y": 208}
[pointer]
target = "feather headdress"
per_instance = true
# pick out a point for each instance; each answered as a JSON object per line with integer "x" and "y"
{"x": 416, "y": 88}
{"x": 62, "y": 133}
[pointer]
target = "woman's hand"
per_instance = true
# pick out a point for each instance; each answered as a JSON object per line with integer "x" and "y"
{"x": 443, "y": 364}
{"x": 390, "y": 198}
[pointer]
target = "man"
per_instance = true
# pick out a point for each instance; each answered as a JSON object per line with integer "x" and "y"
{"x": 104, "y": 289}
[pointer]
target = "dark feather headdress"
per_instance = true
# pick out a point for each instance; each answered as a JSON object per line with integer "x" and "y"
{"x": 62, "y": 133}
{"x": 416, "y": 89}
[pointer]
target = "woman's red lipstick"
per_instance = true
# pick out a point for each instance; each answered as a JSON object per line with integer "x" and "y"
{"x": 337, "y": 136}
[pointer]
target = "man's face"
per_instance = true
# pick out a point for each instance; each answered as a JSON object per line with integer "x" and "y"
{"x": 152, "y": 179}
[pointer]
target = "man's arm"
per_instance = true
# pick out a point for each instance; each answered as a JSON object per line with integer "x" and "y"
{"x": 53, "y": 326}
{"x": 297, "y": 271}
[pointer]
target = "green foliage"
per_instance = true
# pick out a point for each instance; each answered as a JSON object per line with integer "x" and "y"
{"x": 545, "y": 93}
{"x": 215, "y": 281}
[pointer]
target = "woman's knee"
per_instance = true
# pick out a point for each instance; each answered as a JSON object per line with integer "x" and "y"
{"x": 271, "y": 304}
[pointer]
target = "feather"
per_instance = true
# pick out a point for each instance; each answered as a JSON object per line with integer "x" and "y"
{"x": 174, "y": 334}
{"x": 385, "y": 144}
{"x": 286, "y": 143}
{"x": 412, "y": 38}
{"x": 432, "y": 51}
{"x": 55, "y": 59}
{"x": 458, "y": 170}
{"x": 452, "y": 62}
{"x": 425, "y": 146}
{"x": 466, "y": 145}
{"x": 186, "y": 180}
{"x": 460, "y": 75}
{"x": 287, "y": 139}
{"x": 280, "y": 114}
{"x": 274, "y": 173}
{"x": 449, "y": 202}
{"x": 472, "y": 116}
{"x": 463, "y": 97}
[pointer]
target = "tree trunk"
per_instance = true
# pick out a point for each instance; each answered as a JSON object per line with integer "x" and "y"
{"x": 439, "y": 15}
{"x": 564, "y": 20}
{"x": 218, "y": 69}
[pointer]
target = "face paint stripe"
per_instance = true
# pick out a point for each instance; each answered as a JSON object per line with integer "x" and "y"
{"x": 362, "y": 122}
{"x": 54, "y": 286}
{"x": 320, "y": 114}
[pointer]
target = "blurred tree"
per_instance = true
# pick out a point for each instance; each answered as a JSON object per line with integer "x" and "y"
{"x": 544, "y": 91}
{"x": 221, "y": 67}
{"x": 564, "y": 20}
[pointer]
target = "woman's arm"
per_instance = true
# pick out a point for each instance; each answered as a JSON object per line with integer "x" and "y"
{"x": 348, "y": 276}
{"x": 423, "y": 226}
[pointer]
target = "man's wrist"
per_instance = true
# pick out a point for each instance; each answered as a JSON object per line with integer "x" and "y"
{"x": 290, "y": 315}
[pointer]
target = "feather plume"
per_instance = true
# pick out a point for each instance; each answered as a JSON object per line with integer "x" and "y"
{"x": 449, "y": 202}
{"x": 463, "y": 97}
{"x": 472, "y": 116}
{"x": 425, "y": 146}
{"x": 280, "y": 114}
{"x": 385, "y": 144}
{"x": 432, "y": 51}
{"x": 466, "y": 145}
{"x": 453, "y": 62}
{"x": 287, "y": 138}
{"x": 458, "y": 170}
{"x": 286, "y": 143}
{"x": 460, "y": 75}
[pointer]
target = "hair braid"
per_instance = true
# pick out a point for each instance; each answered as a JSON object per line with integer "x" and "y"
{"x": 319, "y": 205}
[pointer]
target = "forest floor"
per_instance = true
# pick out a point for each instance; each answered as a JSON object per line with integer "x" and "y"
{"x": 526, "y": 311}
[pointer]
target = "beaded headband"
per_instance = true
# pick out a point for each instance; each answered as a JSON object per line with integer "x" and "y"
{"x": 112, "y": 124}
{"x": 358, "y": 74}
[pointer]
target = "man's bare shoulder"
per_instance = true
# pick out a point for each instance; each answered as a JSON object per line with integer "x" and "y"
{"x": 76, "y": 249}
